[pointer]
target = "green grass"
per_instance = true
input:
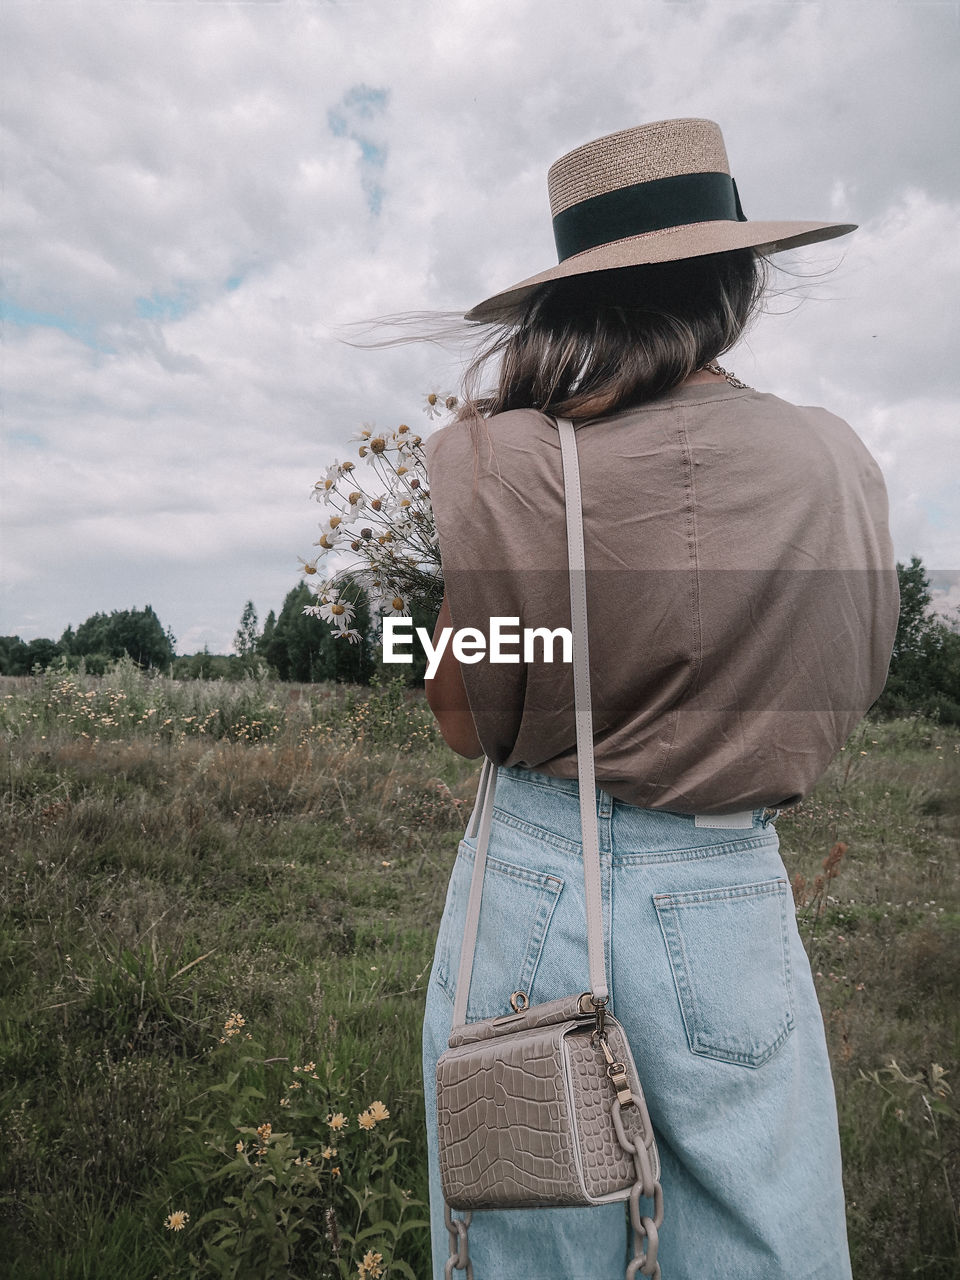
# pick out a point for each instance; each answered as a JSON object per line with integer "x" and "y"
{"x": 186, "y": 851}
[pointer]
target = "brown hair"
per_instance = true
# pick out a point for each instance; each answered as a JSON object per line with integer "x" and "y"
{"x": 589, "y": 345}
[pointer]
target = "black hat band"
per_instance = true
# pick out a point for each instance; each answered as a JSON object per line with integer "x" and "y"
{"x": 646, "y": 206}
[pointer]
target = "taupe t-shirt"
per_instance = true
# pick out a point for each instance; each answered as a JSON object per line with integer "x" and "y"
{"x": 742, "y": 595}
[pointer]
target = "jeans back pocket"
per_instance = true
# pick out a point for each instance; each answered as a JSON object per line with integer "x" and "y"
{"x": 515, "y": 910}
{"x": 730, "y": 956}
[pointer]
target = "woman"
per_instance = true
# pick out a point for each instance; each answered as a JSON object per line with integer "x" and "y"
{"x": 742, "y": 605}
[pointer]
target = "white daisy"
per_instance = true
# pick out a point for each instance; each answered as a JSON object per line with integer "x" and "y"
{"x": 328, "y": 539}
{"x": 324, "y": 490}
{"x": 375, "y": 448}
{"x": 339, "y": 612}
{"x": 394, "y": 606}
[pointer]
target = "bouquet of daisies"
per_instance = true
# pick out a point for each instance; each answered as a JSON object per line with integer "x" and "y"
{"x": 382, "y": 530}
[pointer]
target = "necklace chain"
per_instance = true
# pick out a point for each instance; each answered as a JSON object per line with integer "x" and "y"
{"x": 731, "y": 378}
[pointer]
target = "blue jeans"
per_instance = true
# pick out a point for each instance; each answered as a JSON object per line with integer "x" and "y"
{"x": 711, "y": 982}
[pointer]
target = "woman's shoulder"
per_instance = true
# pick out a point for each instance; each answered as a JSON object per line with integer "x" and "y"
{"x": 510, "y": 421}
{"x": 805, "y": 438}
{"x": 465, "y": 436}
{"x": 770, "y": 402}
{"x": 825, "y": 423}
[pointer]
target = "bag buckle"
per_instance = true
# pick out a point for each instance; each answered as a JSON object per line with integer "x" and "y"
{"x": 617, "y": 1071}
{"x": 587, "y": 1000}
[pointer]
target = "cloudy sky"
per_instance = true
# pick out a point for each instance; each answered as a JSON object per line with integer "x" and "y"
{"x": 200, "y": 193}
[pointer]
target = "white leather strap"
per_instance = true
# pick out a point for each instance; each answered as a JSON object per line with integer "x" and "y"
{"x": 581, "y": 689}
{"x": 483, "y": 809}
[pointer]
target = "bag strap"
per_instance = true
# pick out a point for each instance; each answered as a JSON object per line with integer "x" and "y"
{"x": 483, "y": 809}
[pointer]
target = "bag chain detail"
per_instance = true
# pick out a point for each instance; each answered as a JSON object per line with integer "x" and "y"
{"x": 534, "y": 1108}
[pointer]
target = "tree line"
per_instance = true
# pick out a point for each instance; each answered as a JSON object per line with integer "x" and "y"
{"x": 134, "y": 633}
{"x": 924, "y": 674}
{"x": 290, "y": 646}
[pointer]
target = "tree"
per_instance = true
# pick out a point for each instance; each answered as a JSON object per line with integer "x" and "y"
{"x": 269, "y": 627}
{"x": 90, "y": 636}
{"x": 245, "y": 641}
{"x": 18, "y": 658}
{"x": 12, "y": 649}
{"x": 924, "y": 673}
{"x": 42, "y": 653}
{"x": 914, "y": 622}
{"x": 135, "y": 632}
{"x": 304, "y": 648}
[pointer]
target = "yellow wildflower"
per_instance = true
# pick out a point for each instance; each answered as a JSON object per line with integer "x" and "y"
{"x": 177, "y": 1220}
{"x": 328, "y": 1153}
{"x": 337, "y": 1121}
{"x": 378, "y": 1110}
{"x": 366, "y": 1120}
{"x": 371, "y": 1264}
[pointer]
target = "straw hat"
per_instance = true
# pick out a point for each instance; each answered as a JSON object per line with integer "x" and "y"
{"x": 655, "y": 193}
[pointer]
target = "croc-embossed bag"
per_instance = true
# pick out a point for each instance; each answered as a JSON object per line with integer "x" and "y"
{"x": 543, "y": 1107}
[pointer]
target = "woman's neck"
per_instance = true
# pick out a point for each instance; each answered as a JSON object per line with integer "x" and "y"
{"x": 703, "y": 375}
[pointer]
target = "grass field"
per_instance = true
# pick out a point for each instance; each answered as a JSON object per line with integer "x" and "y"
{"x": 218, "y": 906}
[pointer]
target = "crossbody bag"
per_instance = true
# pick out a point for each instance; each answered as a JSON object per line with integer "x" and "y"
{"x": 543, "y": 1107}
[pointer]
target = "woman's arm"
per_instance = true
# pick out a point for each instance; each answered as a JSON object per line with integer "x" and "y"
{"x": 448, "y": 698}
